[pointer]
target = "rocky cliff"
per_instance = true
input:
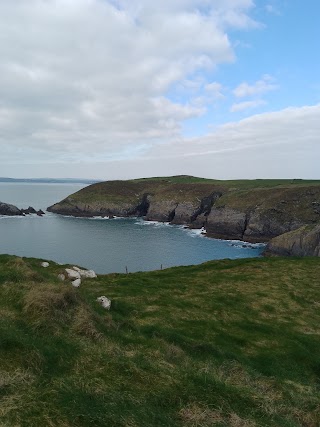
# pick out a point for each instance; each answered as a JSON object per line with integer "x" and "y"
{"x": 249, "y": 210}
{"x": 304, "y": 241}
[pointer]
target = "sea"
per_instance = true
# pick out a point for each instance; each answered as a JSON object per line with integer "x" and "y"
{"x": 104, "y": 245}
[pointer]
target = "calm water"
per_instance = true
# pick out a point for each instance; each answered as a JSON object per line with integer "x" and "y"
{"x": 101, "y": 244}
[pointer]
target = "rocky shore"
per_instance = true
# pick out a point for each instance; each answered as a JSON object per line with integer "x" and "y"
{"x": 11, "y": 210}
{"x": 253, "y": 211}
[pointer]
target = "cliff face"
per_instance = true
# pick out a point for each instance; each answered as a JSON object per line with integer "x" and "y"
{"x": 304, "y": 241}
{"x": 248, "y": 210}
{"x": 7, "y": 209}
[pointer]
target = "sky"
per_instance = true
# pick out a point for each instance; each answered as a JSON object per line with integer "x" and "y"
{"x": 117, "y": 89}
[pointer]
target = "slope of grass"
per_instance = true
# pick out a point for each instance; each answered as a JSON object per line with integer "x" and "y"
{"x": 227, "y": 343}
{"x": 178, "y": 188}
{"x": 244, "y": 184}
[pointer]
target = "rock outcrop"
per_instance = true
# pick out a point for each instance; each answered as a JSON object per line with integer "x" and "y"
{"x": 304, "y": 241}
{"x": 10, "y": 210}
{"x": 255, "y": 211}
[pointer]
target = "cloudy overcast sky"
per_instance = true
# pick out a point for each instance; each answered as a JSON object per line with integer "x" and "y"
{"x": 114, "y": 89}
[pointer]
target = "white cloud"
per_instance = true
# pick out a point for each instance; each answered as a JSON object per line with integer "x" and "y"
{"x": 215, "y": 90}
{"x": 299, "y": 127}
{"x": 282, "y": 144}
{"x": 265, "y": 84}
{"x": 246, "y": 105}
{"x": 272, "y": 9}
{"x": 82, "y": 78}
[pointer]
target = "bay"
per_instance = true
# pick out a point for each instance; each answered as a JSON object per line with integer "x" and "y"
{"x": 101, "y": 244}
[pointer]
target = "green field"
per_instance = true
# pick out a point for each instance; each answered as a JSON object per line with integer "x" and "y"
{"x": 227, "y": 343}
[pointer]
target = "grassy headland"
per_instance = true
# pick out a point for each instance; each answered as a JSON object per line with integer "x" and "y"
{"x": 226, "y": 343}
{"x": 252, "y": 210}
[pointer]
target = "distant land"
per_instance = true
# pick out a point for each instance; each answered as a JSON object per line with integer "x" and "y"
{"x": 50, "y": 180}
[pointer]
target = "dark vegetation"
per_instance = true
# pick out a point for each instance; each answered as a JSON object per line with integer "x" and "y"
{"x": 227, "y": 343}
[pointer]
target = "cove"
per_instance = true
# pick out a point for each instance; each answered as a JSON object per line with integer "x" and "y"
{"x": 105, "y": 245}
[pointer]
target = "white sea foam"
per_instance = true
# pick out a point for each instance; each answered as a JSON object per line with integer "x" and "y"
{"x": 243, "y": 244}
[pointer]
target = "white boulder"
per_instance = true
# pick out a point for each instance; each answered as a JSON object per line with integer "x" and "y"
{"x": 72, "y": 274}
{"x": 88, "y": 274}
{"x": 61, "y": 277}
{"x": 76, "y": 283}
{"x": 105, "y": 302}
{"x": 45, "y": 264}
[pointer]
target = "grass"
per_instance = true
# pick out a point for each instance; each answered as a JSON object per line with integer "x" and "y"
{"x": 227, "y": 343}
{"x": 179, "y": 188}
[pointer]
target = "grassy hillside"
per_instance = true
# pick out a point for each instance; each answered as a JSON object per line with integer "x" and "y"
{"x": 227, "y": 343}
{"x": 240, "y": 184}
{"x": 183, "y": 187}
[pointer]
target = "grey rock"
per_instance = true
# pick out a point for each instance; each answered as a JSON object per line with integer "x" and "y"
{"x": 304, "y": 241}
{"x": 224, "y": 222}
{"x": 10, "y": 210}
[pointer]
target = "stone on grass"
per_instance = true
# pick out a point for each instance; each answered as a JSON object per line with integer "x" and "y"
{"x": 88, "y": 274}
{"x": 61, "y": 277}
{"x": 105, "y": 302}
{"x": 45, "y": 264}
{"x": 76, "y": 272}
{"x": 72, "y": 274}
{"x": 76, "y": 283}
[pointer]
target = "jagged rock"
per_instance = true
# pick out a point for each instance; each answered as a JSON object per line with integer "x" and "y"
{"x": 76, "y": 283}
{"x": 10, "y": 210}
{"x": 76, "y": 269}
{"x": 45, "y": 264}
{"x": 304, "y": 241}
{"x": 28, "y": 211}
{"x": 40, "y": 212}
{"x": 72, "y": 274}
{"x": 105, "y": 302}
{"x": 61, "y": 277}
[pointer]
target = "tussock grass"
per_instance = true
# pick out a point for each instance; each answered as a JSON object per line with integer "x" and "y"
{"x": 227, "y": 343}
{"x": 49, "y": 305}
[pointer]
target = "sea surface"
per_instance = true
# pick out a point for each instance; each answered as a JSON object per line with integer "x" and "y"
{"x": 104, "y": 245}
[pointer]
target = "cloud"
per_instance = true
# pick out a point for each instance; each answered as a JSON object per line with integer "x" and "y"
{"x": 214, "y": 90}
{"x": 272, "y": 9}
{"x": 82, "y": 78}
{"x": 281, "y": 144}
{"x": 246, "y": 105}
{"x": 293, "y": 131}
{"x": 265, "y": 84}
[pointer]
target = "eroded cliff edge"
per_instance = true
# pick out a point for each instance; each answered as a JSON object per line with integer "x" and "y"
{"x": 254, "y": 211}
{"x": 304, "y": 241}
